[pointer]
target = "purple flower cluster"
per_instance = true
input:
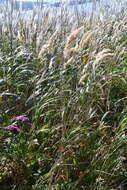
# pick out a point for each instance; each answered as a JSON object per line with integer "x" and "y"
{"x": 15, "y": 128}
{"x": 22, "y": 118}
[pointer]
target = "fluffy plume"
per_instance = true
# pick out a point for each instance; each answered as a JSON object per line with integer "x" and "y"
{"x": 103, "y": 54}
{"x": 47, "y": 46}
{"x": 73, "y": 35}
{"x": 43, "y": 50}
{"x": 68, "y": 52}
{"x": 86, "y": 39}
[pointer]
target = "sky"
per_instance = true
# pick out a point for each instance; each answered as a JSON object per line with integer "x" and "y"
{"x": 42, "y": 0}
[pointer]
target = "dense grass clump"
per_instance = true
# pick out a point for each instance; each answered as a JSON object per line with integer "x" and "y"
{"x": 63, "y": 100}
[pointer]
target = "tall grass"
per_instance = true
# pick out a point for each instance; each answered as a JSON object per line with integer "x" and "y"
{"x": 68, "y": 74}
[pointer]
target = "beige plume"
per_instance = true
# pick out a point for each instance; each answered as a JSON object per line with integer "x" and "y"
{"x": 105, "y": 53}
{"x": 102, "y": 55}
{"x": 73, "y": 35}
{"x": 86, "y": 39}
{"x": 68, "y": 52}
{"x": 47, "y": 46}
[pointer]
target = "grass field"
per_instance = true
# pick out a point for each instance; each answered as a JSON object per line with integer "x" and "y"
{"x": 63, "y": 99}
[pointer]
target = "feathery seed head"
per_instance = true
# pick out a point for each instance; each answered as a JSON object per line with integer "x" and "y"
{"x": 48, "y": 45}
{"x": 102, "y": 55}
{"x": 86, "y": 39}
{"x": 68, "y": 52}
{"x": 73, "y": 35}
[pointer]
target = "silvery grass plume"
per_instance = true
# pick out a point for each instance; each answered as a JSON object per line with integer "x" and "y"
{"x": 83, "y": 43}
{"x": 68, "y": 50}
{"x": 48, "y": 46}
{"x": 86, "y": 39}
{"x": 73, "y": 35}
{"x": 105, "y": 53}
